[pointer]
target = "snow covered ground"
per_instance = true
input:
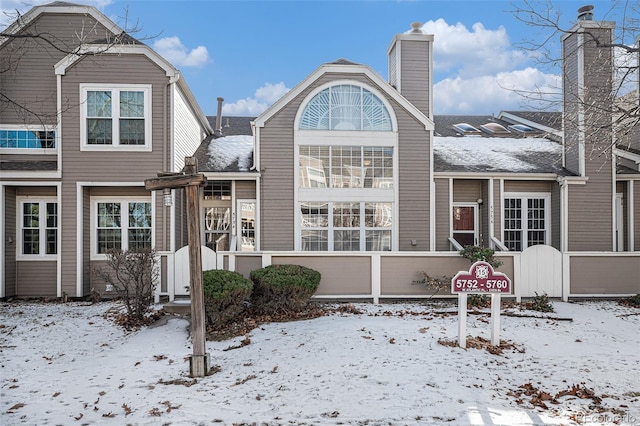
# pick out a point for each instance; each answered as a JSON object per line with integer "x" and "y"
{"x": 65, "y": 364}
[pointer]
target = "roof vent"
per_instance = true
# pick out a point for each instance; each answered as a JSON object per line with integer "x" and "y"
{"x": 416, "y": 28}
{"x": 585, "y": 13}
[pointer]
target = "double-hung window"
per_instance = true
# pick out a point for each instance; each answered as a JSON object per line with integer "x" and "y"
{"x": 38, "y": 225}
{"x": 116, "y": 117}
{"x": 526, "y": 220}
{"x": 121, "y": 225}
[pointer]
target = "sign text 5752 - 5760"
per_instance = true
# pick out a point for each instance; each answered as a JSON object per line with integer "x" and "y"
{"x": 481, "y": 278}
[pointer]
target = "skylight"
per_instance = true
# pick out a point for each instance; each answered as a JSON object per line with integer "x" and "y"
{"x": 521, "y": 128}
{"x": 466, "y": 128}
{"x": 494, "y": 128}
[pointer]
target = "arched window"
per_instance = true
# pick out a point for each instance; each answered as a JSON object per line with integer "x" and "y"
{"x": 346, "y": 107}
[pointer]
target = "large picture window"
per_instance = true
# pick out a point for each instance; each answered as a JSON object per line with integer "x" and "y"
{"x": 38, "y": 224}
{"x": 346, "y": 167}
{"x": 122, "y": 225}
{"x": 116, "y": 117}
{"x": 526, "y": 221}
{"x": 346, "y": 226}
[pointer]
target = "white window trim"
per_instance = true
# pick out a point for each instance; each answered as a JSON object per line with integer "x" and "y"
{"x": 330, "y": 228}
{"x": 42, "y": 228}
{"x": 125, "y": 221}
{"x": 32, "y": 151}
{"x": 524, "y": 196}
{"x": 115, "y": 116}
{"x": 377, "y": 93}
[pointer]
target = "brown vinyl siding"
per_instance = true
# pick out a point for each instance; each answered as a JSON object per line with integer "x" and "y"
{"x": 246, "y": 264}
{"x": 37, "y": 279}
{"x": 636, "y": 216}
{"x": 27, "y": 157}
{"x": 341, "y": 275}
{"x": 413, "y": 172}
{"x": 86, "y": 240}
{"x": 245, "y": 190}
{"x": 9, "y": 213}
{"x": 571, "y": 108}
{"x": 527, "y": 186}
{"x": 31, "y": 80}
{"x": 105, "y": 166}
{"x": 497, "y": 209}
{"x": 36, "y": 191}
{"x": 591, "y": 215}
{"x": 443, "y": 212}
{"x": 466, "y": 190}
{"x": 415, "y": 81}
{"x": 399, "y": 275}
{"x": 605, "y": 275}
{"x": 556, "y": 227}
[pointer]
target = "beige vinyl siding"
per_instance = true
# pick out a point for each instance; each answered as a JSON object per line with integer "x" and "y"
{"x": 415, "y": 80}
{"x": 341, "y": 275}
{"x": 277, "y": 162}
{"x": 246, "y": 264}
{"x": 30, "y": 80}
{"x": 27, "y": 157}
{"x": 393, "y": 66}
{"x": 9, "y": 213}
{"x": 443, "y": 213}
{"x": 37, "y": 191}
{"x": 605, "y": 275}
{"x": 86, "y": 240}
{"x": 399, "y": 274}
{"x": 466, "y": 190}
{"x": 497, "y": 209}
{"x": 555, "y": 225}
{"x": 187, "y": 130}
{"x": 636, "y": 216}
{"x": 104, "y": 166}
{"x": 591, "y": 215}
{"x": 527, "y": 186}
{"x": 37, "y": 279}
{"x": 571, "y": 108}
{"x": 413, "y": 182}
{"x": 245, "y": 190}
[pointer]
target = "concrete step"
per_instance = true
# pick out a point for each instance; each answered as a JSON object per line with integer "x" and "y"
{"x": 178, "y": 306}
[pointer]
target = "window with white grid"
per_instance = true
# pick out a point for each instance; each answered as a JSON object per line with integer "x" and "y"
{"x": 526, "y": 220}
{"x": 346, "y": 107}
{"x": 346, "y": 226}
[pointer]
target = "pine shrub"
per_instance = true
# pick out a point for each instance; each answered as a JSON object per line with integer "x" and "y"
{"x": 226, "y": 294}
{"x": 283, "y": 289}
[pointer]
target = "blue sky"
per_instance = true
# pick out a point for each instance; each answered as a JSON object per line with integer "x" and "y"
{"x": 252, "y": 52}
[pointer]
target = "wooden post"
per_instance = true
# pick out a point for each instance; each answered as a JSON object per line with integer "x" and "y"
{"x": 191, "y": 181}
{"x": 199, "y": 359}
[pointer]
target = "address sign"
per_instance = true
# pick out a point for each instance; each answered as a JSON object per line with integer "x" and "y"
{"x": 481, "y": 278}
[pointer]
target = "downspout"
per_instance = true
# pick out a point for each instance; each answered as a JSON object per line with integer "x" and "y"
{"x": 165, "y": 242}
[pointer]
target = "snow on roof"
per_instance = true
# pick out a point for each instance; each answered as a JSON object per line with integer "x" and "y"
{"x": 512, "y": 154}
{"x": 227, "y": 150}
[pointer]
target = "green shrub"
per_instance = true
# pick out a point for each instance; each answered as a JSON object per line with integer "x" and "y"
{"x": 633, "y": 301}
{"x": 283, "y": 289}
{"x": 478, "y": 301}
{"x": 476, "y": 253}
{"x": 225, "y": 296}
{"x": 540, "y": 303}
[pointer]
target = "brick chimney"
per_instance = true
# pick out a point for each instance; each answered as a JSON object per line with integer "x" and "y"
{"x": 411, "y": 67}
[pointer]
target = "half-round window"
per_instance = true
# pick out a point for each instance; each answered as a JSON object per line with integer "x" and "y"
{"x": 346, "y": 107}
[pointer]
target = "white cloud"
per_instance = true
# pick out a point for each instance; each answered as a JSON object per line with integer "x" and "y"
{"x": 479, "y": 51}
{"x": 172, "y": 49}
{"x": 503, "y": 91}
{"x": 263, "y": 98}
